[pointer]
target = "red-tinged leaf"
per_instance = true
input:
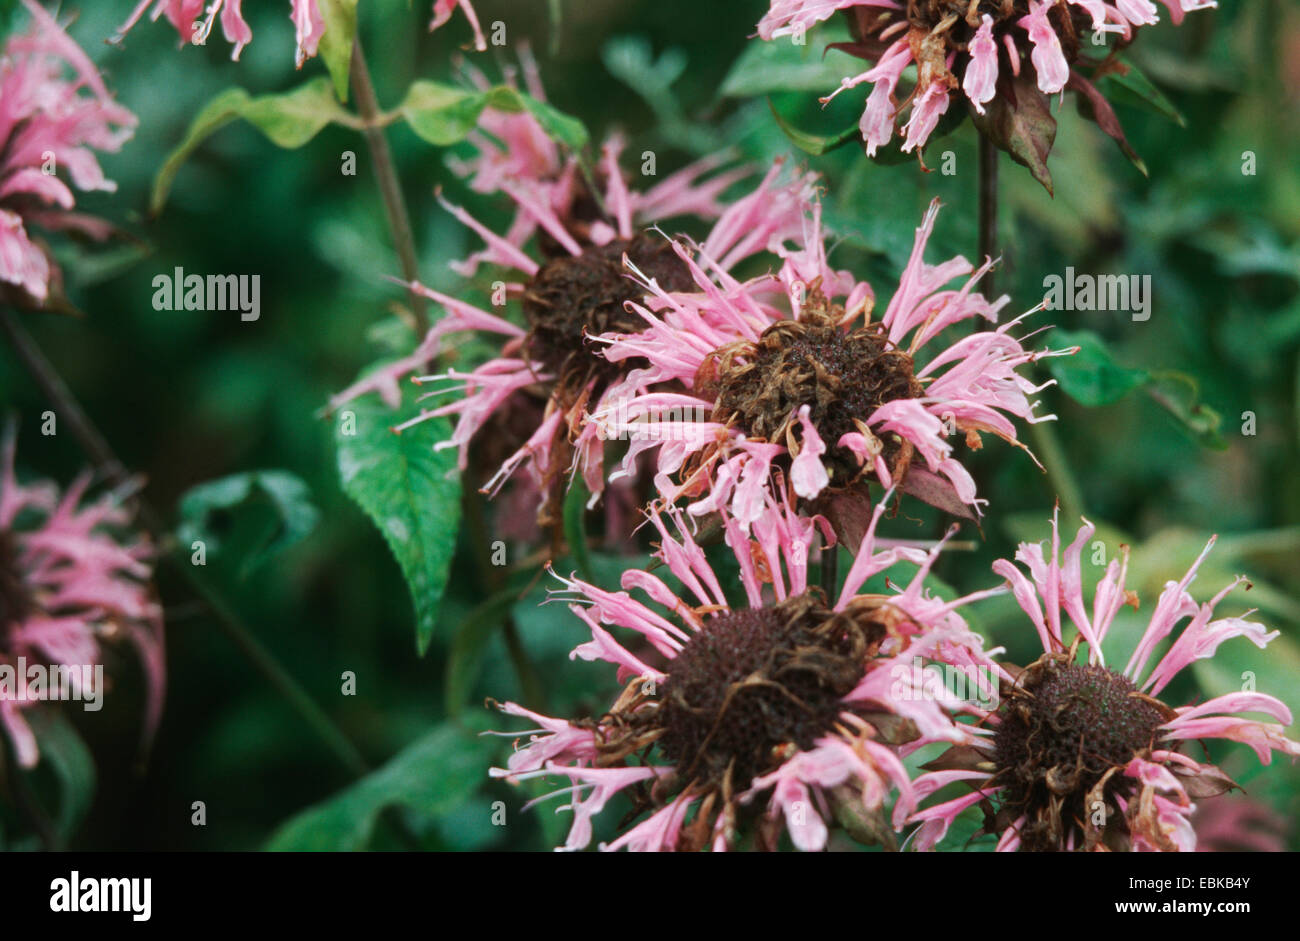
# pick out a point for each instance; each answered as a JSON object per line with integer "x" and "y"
{"x": 936, "y": 491}
{"x": 1019, "y": 120}
{"x": 1093, "y": 105}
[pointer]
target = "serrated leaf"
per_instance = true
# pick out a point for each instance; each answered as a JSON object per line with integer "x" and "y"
{"x": 434, "y": 776}
{"x": 1092, "y": 377}
{"x": 444, "y": 114}
{"x": 289, "y": 121}
{"x": 411, "y": 492}
{"x": 340, "y": 18}
{"x": 812, "y": 143}
{"x": 287, "y": 495}
{"x": 1019, "y": 120}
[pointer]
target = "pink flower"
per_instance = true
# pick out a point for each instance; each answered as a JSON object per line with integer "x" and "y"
{"x": 515, "y": 155}
{"x": 1085, "y": 756}
{"x": 67, "y": 585}
{"x": 982, "y": 73}
{"x": 1049, "y": 62}
{"x": 55, "y": 112}
{"x": 578, "y": 290}
{"x": 770, "y": 713}
{"x": 442, "y": 11}
{"x": 816, "y": 387}
{"x": 956, "y": 47}
{"x": 194, "y": 20}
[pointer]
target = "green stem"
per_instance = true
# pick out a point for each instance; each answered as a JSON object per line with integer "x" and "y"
{"x": 390, "y": 187}
{"x": 114, "y": 472}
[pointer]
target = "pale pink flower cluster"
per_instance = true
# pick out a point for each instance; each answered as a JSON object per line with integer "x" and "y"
{"x": 55, "y": 113}
{"x": 195, "y": 19}
{"x": 940, "y": 63}
{"x": 69, "y": 583}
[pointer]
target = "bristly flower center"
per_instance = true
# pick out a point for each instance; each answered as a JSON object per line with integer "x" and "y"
{"x": 842, "y": 375}
{"x": 1063, "y": 728}
{"x": 572, "y": 298}
{"x": 755, "y": 680}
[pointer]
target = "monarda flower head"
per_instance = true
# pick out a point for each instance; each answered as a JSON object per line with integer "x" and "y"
{"x": 514, "y": 154}
{"x": 783, "y": 713}
{"x": 55, "y": 112}
{"x": 1004, "y": 57}
{"x": 579, "y": 289}
{"x": 72, "y": 579}
{"x": 195, "y": 19}
{"x": 817, "y": 387}
{"x": 1081, "y": 755}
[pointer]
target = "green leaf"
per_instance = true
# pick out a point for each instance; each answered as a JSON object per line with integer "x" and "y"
{"x": 292, "y": 119}
{"x": 965, "y": 834}
{"x": 433, "y": 776}
{"x": 575, "y": 530}
{"x": 1129, "y": 86}
{"x": 1092, "y": 377}
{"x": 340, "y": 17}
{"x": 1092, "y": 104}
{"x": 225, "y": 513}
{"x": 765, "y": 68}
{"x": 813, "y": 143}
{"x": 289, "y": 121}
{"x": 568, "y": 130}
{"x": 410, "y": 491}
{"x": 67, "y": 756}
{"x": 444, "y": 114}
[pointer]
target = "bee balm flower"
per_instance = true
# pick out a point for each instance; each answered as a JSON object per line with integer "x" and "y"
{"x": 818, "y": 388}
{"x": 195, "y": 19}
{"x": 55, "y": 112}
{"x": 1082, "y": 755}
{"x": 69, "y": 584}
{"x": 775, "y": 716}
{"x": 978, "y": 51}
{"x": 580, "y": 289}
